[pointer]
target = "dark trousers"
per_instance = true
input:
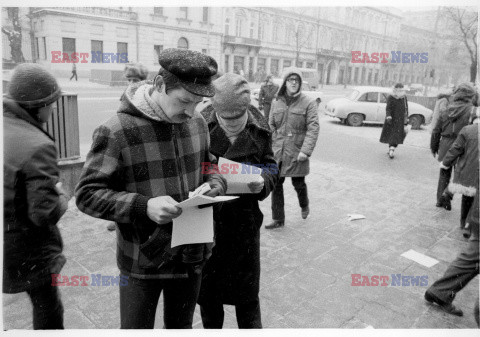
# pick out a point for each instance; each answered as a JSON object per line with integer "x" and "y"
{"x": 266, "y": 110}
{"x": 461, "y": 271}
{"x": 139, "y": 299}
{"x": 392, "y": 145}
{"x": 74, "y": 74}
{"x": 467, "y": 203}
{"x": 47, "y": 307}
{"x": 278, "y": 201}
{"x": 248, "y": 315}
{"x": 443, "y": 181}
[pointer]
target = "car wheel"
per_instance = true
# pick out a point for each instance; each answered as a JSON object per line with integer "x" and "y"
{"x": 416, "y": 122}
{"x": 355, "y": 119}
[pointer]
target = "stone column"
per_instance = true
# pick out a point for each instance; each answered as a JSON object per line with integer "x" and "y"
{"x": 230, "y": 63}
{"x": 268, "y": 65}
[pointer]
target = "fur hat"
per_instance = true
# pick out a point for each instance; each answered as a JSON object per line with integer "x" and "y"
{"x": 136, "y": 70}
{"x": 232, "y": 96}
{"x": 32, "y": 86}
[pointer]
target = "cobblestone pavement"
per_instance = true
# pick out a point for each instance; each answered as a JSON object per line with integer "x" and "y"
{"x": 307, "y": 265}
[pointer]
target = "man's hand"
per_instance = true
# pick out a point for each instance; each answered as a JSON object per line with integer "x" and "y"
{"x": 389, "y": 120}
{"x": 260, "y": 107}
{"x": 434, "y": 154}
{"x": 443, "y": 167}
{"x": 256, "y": 186}
{"x": 162, "y": 210}
{"x": 302, "y": 157}
{"x": 59, "y": 188}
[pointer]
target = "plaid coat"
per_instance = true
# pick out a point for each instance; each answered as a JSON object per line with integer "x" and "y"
{"x": 136, "y": 156}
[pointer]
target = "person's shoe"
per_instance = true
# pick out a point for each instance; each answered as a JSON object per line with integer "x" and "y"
{"x": 275, "y": 224}
{"x": 111, "y": 226}
{"x": 390, "y": 153}
{"x": 449, "y": 308}
{"x": 439, "y": 204}
{"x": 305, "y": 212}
{"x": 445, "y": 201}
{"x": 467, "y": 232}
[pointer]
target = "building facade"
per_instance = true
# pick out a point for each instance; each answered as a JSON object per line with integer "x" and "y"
{"x": 252, "y": 41}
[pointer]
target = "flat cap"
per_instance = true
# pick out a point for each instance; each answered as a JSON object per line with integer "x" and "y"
{"x": 193, "y": 69}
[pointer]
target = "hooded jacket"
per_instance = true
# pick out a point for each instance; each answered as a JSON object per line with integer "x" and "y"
{"x": 294, "y": 123}
{"x": 32, "y": 245}
{"x": 137, "y": 155}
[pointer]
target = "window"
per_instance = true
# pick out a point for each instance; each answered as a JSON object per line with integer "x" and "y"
{"x": 157, "y": 49}
{"x": 44, "y": 49}
{"x": 274, "y": 67}
{"x": 183, "y": 12}
{"x": 122, "y": 48}
{"x": 252, "y": 29}
{"x": 226, "y": 64}
{"x": 369, "y": 97}
{"x": 227, "y": 26}
{"x": 238, "y": 26}
{"x": 205, "y": 14}
{"x": 37, "y": 49}
{"x": 260, "y": 31}
{"x": 383, "y": 98}
{"x": 287, "y": 63}
{"x": 68, "y": 45}
{"x": 97, "y": 48}
{"x": 261, "y": 64}
{"x": 158, "y": 11}
{"x": 182, "y": 43}
{"x": 309, "y": 65}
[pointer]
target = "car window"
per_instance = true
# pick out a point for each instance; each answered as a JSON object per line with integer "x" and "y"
{"x": 369, "y": 97}
{"x": 383, "y": 98}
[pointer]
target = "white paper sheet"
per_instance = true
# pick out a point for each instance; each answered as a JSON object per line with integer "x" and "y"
{"x": 424, "y": 260}
{"x": 352, "y": 217}
{"x": 237, "y": 182}
{"x": 195, "y": 225}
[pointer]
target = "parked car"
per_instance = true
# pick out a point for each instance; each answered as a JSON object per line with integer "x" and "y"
{"x": 368, "y": 104}
{"x": 306, "y": 89}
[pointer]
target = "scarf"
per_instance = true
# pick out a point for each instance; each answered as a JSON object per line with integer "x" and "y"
{"x": 233, "y": 127}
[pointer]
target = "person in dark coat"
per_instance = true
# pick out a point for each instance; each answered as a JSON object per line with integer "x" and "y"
{"x": 33, "y": 198}
{"x": 135, "y": 72}
{"x": 440, "y": 104}
{"x": 238, "y": 132}
{"x": 464, "y": 154}
{"x": 461, "y": 271}
{"x": 268, "y": 90}
{"x": 74, "y": 72}
{"x": 393, "y": 132}
{"x": 448, "y": 126}
{"x": 294, "y": 122}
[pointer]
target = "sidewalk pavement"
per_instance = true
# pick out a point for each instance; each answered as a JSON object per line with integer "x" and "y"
{"x": 306, "y": 266}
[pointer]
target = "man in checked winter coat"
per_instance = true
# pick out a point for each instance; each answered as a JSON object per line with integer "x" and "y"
{"x": 143, "y": 161}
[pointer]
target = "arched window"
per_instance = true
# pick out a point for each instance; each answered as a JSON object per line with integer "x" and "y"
{"x": 182, "y": 43}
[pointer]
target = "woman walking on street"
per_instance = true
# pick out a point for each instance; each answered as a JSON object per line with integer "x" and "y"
{"x": 393, "y": 132}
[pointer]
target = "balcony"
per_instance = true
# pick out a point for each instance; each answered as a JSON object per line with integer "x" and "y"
{"x": 242, "y": 41}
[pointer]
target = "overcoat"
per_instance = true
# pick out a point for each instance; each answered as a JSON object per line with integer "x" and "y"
{"x": 394, "y": 132}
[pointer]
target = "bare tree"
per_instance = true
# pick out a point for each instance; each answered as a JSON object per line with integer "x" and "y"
{"x": 465, "y": 24}
{"x": 347, "y": 45}
{"x": 14, "y": 35}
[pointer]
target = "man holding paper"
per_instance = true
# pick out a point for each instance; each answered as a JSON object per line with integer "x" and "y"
{"x": 143, "y": 162}
{"x": 238, "y": 133}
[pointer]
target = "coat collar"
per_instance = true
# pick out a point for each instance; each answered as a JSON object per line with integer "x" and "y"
{"x": 13, "y": 108}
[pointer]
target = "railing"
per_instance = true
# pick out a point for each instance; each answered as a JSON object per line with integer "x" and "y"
{"x": 242, "y": 40}
{"x": 63, "y": 127}
{"x": 427, "y": 102}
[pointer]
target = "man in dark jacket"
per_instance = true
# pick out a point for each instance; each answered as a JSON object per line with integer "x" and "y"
{"x": 268, "y": 90}
{"x": 232, "y": 276}
{"x": 33, "y": 198}
{"x": 143, "y": 161}
{"x": 461, "y": 271}
{"x": 446, "y": 130}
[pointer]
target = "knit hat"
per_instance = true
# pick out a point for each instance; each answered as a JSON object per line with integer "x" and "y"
{"x": 136, "y": 70}
{"x": 232, "y": 96}
{"x": 33, "y": 86}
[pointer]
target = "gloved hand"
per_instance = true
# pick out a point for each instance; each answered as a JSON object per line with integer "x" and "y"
{"x": 388, "y": 120}
{"x": 434, "y": 153}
